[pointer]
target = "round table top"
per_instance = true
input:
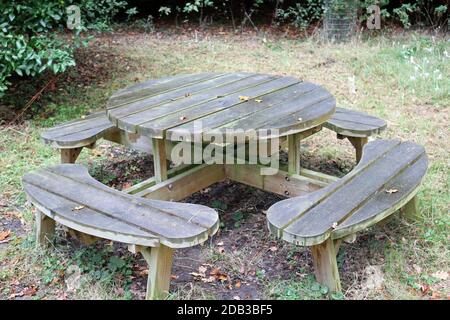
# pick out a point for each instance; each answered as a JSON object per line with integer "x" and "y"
{"x": 168, "y": 107}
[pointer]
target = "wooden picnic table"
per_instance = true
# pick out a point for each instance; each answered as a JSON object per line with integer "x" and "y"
{"x": 163, "y": 109}
{"x": 159, "y": 115}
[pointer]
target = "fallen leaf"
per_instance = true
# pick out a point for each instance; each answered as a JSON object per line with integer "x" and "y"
{"x": 215, "y": 271}
{"x": 202, "y": 270}
{"x": 5, "y": 234}
{"x": 188, "y": 94}
{"x": 78, "y": 208}
{"x": 273, "y": 248}
{"x": 126, "y": 185}
{"x": 391, "y": 191}
{"x": 29, "y": 291}
{"x": 238, "y": 284}
{"x": 208, "y": 279}
{"x": 244, "y": 98}
{"x": 258, "y": 100}
{"x": 182, "y": 118}
{"x": 236, "y": 298}
{"x": 441, "y": 275}
{"x": 222, "y": 277}
{"x": 174, "y": 277}
{"x": 96, "y": 153}
{"x": 220, "y": 243}
{"x": 334, "y": 226}
{"x": 195, "y": 274}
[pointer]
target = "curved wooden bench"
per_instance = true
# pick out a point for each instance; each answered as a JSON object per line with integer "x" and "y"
{"x": 69, "y": 195}
{"x": 71, "y": 137}
{"x": 386, "y": 179}
{"x": 355, "y": 126}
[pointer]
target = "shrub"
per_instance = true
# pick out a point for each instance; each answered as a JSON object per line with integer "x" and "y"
{"x": 29, "y": 44}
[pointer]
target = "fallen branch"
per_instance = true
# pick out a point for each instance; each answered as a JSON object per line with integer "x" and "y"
{"x": 32, "y": 100}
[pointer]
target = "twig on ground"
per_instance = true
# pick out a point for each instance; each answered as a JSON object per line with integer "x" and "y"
{"x": 31, "y": 101}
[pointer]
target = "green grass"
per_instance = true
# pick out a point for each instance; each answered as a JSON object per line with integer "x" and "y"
{"x": 404, "y": 80}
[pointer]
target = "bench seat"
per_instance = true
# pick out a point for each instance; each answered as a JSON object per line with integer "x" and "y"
{"x": 350, "y": 123}
{"x": 79, "y": 133}
{"x": 67, "y": 194}
{"x": 355, "y": 126}
{"x": 386, "y": 179}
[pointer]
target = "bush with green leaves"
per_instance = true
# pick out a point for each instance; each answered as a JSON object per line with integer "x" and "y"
{"x": 30, "y": 34}
{"x": 302, "y": 14}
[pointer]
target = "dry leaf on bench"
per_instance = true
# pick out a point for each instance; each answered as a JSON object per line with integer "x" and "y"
{"x": 78, "y": 208}
{"x": 258, "y": 100}
{"x": 391, "y": 191}
{"x": 5, "y": 234}
{"x": 244, "y": 98}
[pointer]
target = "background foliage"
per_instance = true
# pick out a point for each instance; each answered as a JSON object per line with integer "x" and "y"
{"x": 30, "y": 46}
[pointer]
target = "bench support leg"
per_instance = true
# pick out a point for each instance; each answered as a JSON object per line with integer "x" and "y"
{"x": 159, "y": 159}
{"x": 159, "y": 261}
{"x": 325, "y": 265}
{"x": 45, "y": 229}
{"x": 411, "y": 208}
{"x": 70, "y": 155}
{"x": 294, "y": 153}
{"x": 358, "y": 144}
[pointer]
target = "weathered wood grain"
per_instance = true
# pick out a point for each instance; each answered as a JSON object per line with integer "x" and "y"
{"x": 79, "y": 133}
{"x": 58, "y": 192}
{"x": 222, "y": 101}
{"x": 356, "y": 201}
{"x": 354, "y": 123}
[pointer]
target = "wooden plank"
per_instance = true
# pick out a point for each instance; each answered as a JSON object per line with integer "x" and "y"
{"x": 177, "y": 108}
{"x": 88, "y": 221}
{"x": 45, "y": 229}
{"x": 311, "y": 117}
{"x": 183, "y": 185}
{"x": 296, "y": 115}
{"x": 177, "y": 224}
{"x": 383, "y": 204}
{"x": 152, "y": 87}
{"x": 411, "y": 208}
{"x": 157, "y": 127}
{"x": 282, "y": 183}
{"x": 70, "y": 155}
{"x": 237, "y": 111}
{"x": 294, "y": 153}
{"x": 147, "y": 183}
{"x": 159, "y": 261}
{"x": 355, "y": 124}
{"x": 310, "y": 220}
{"x": 79, "y": 133}
{"x": 116, "y": 112}
{"x": 358, "y": 144}
{"x": 343, "y": 201}
{"x": 325, "y": 265}
{"x": 159, "y": 159}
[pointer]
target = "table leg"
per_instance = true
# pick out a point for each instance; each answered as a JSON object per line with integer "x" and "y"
{"x": 159, "y": 159}
{"x": 294, "y": 153}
